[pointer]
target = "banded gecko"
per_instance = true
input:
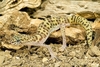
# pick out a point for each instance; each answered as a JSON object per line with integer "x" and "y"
{"x": 47, "y": 27}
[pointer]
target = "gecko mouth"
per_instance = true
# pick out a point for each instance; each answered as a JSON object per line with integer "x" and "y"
{"x": 11, "y": 46}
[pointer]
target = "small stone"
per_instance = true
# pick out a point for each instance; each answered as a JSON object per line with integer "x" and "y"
{"x": 44, "y": 59}
{"x": 1, "y": 59}
{"x": 57, "y": 64}
{"x": 95, "y": 50}
{"x": 7, "y": 54}
{"x": 94, "y": 65}
{"x": 72, "y": 54}
{"x": 67, "y": 65}
{"x": 17, "y": 58}
{"x": 7, "y": 51}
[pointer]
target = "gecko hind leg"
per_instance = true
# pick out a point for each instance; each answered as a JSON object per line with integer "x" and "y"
{"x": 62, "y": 48}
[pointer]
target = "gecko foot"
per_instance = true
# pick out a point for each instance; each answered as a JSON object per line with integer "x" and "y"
{"x": 54, "y": 57}
{"x": 62, "y": 48}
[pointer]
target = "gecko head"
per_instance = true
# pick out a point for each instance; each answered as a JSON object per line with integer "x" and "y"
{"x": 12, "y": 42}
{"x": 15, "y": 40}
{"x": 12, "y": 39}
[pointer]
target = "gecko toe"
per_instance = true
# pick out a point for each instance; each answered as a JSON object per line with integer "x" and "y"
{"x": 62, "y": 48}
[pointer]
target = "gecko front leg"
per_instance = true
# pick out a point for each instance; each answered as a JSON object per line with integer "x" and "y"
{"x": 50, "y": 51}
{"x": 40, "y": 43}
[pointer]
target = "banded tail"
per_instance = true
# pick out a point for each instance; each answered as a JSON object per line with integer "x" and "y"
{"x": 75, "y": 19}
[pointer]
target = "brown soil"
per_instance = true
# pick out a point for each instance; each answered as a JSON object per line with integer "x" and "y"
{"x": 73, "y": 56}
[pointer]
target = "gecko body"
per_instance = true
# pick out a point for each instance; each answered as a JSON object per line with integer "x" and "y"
{"x": 47, "y": 27}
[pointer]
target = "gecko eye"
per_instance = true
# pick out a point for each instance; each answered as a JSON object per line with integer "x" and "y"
{"x": 18, "y": 40}
{"x": 15, "y": 42}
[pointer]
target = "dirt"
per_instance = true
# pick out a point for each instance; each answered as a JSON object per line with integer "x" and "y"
{"x": 72, "y": 56}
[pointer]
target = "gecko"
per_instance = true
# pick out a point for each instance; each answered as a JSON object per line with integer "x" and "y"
{"x": 47, "y": 27}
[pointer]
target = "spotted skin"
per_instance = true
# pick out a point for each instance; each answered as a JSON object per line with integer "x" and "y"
{"x": 47, "y": 27}
{"x": 85, "y": 24}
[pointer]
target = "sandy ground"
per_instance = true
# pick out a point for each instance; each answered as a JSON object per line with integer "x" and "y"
{"x": 73, "y": 56}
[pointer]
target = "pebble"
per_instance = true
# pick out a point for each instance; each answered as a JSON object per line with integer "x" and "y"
{"x": 17, "y": 57}
{"x": 44, "y": 59}
{"x": 72, "y": 54}
{"x": 94, "y": 65}
{"x": 1, "y": 59}
{"x": 57, "y": 64}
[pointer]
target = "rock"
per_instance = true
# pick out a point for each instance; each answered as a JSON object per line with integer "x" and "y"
{"x": 72, "y": 35}
{"x": 57, "y": 64}
{"x": 95, "y": 65}
{"x": 44, "y": 59}
{"x": 1, "y": 59}
{"x": 9, "y": 6}
{"x": 72, "y": 54}
{"x": 87, "y": 9}
{"x": 20, "y": 22}
{"x": 94, "y": 50}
